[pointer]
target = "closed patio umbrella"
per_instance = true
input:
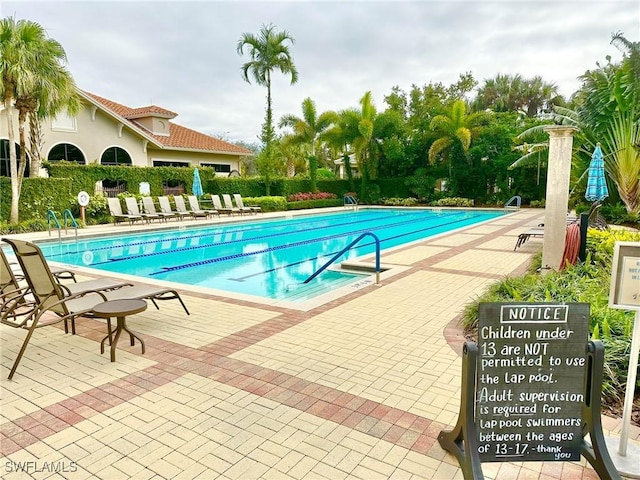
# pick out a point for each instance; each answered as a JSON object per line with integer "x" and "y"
{"x": 596, "y": 181}
{"x": 196, "y": 189}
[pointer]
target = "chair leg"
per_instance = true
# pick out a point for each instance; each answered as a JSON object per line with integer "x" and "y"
{"x": 24, "y": 346}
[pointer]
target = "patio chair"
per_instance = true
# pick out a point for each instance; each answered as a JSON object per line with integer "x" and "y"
{"x": 150, "y": 209}
{"x": 133, "y": 209}
{"x": 115, "y": 209}
{"x": 181, "y": 207}
{"x": 61, "y": 273}
{"x": 51, "y": 298}
{"x": 226, "y": 198}
{"x": 524, "y": 236}
{"x": 165, "y": 206}
{"x": 195, "y": 206}
{"x": 217, "y": 204}
{"x": 248, "y": 209}
{"x": 15, "y": 307}
{"x": 10, "y": 288}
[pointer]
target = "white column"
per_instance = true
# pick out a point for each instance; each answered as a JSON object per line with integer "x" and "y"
{"x": 557, "y": 197}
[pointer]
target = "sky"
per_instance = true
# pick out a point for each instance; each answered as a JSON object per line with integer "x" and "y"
{"x": 181, "y": 55}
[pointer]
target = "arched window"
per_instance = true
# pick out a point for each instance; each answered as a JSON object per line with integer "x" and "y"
{"x": 4, "y": 158}
{"x": 67, "y": 152}
{"x": 115, "y": 156}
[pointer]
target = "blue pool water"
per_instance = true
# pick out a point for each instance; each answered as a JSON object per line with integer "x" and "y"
{"x": 268, "y": 258}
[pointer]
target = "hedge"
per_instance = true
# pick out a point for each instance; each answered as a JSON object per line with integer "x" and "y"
{"x": 37, "y": 196}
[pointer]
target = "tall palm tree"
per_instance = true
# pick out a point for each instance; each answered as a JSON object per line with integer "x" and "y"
{"x": 54, "y": 92}
{"x": 308, "y": 130}
{"x": 29, "y": 64}
{"x": 454, "y": 133}
{"x": 268, "y": 51}
{"x": 340, "y": 137}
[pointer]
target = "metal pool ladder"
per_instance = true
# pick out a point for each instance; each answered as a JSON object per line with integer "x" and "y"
{"x": 67, "y": 215}
{"x": 345, "y": 249}
{"x": 350, "y": 201}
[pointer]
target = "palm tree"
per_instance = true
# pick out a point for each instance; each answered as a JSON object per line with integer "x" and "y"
{"x": 454, "y": 132}
{"x": 308, "y": 130}
{"x": 54, "y": 92}
{"x": 341, "y": 136}
{"x": 32, "y": 78}
{"x": 268, "y": 52}
{"x": 364, "y": 142}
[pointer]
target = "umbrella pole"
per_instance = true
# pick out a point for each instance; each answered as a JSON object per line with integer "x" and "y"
{"x": 631, "y": 383}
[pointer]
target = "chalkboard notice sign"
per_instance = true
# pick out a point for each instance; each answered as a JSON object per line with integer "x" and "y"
{"x": 530, "y": 381}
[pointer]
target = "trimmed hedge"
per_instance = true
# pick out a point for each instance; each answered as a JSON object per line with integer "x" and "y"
{"x": 38, "y": 195}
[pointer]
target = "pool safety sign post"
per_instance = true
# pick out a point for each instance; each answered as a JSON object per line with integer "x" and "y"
{"x": 625, "y": 294}
{"x": 530, "y": 389}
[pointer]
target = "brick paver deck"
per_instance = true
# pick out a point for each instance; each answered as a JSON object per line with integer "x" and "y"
{"x": 358, "y": 387}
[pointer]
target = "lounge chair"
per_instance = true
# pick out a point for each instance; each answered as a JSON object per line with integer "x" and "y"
{"x": 115, "y": 209}
{"x": 150, "y": 209}
{"x": 217, "y": 204}
{"x": 249, "y": 208}
{"x": 51, "y": 297}
{"x": 165, "y": 206}
{"x": 10, "y": 287}
{"x": 133, "y": 209}
{"x": 524, "y": 236}
{"x": 226, "y": 198}
{"x": 181, "y": 207}
{"x": 61, "y": 273}
{"x": 195, "y": 206}
{"x": 15, "y": 307}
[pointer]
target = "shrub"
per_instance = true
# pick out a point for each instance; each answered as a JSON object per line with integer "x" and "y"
{"x": 453, "y": 202}
{"x": 301, "y": 197}
{"x": 584, "y": 282}
{"x": 267, "y": 204}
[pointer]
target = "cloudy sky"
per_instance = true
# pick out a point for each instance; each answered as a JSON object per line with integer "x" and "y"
{"x": 181, "y": 55}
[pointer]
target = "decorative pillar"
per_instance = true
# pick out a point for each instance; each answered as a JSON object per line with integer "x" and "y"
{"x": 557, "y": 196}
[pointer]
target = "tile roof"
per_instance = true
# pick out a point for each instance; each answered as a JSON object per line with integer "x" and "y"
{"x": 179, "y": 137}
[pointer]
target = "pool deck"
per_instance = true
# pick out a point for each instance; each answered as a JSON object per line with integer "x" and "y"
{"x": 358, "y": 387}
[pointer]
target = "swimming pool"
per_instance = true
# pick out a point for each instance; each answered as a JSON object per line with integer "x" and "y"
{"x": 267, "y": 258}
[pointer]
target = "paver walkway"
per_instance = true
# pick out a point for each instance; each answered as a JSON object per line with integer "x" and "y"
{"x": 359, "y": 387}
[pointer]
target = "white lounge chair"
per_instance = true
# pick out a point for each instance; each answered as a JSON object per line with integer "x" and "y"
{"x": 150, "y": 209}
{"x": 195, "y": 206}
{"x": 133, "y": 209}
{"x": 115, "y": 209}
{"x": 165, "y": 206}
{"x": 228, "y": 204}
{"x": 240, "y": 204}
{"x": 217, "y": 204}
{"x": 181, "y": 207}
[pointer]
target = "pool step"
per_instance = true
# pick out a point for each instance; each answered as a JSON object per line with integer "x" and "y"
{"x": 368, "y": 267}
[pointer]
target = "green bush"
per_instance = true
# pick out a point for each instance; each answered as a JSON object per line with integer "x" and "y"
{"x": 267, "y": 204}
{"x": 399, "y": 202}
{"x": 586, "y": 283}
{"x": 453, "y": 202}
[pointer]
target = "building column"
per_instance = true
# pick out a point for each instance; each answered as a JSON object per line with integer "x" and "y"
{"x": 557, "y": 196}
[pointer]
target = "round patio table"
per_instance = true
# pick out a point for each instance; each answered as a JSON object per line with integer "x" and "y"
{"x": 119, "y": 309}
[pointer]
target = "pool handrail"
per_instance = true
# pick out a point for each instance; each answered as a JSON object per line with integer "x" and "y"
{"x": 72, "y": 221}
{"x": 517, "y": 199}
{"x": 51, "y": 215}
{"x": 350, "y": 200}
{"x": 345, "y": 249}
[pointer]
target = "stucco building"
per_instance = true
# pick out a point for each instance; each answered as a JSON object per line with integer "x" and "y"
{"x": 110, "y": 133}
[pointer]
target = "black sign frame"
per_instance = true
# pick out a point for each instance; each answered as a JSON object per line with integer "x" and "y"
{"x": 463, "y": 440}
